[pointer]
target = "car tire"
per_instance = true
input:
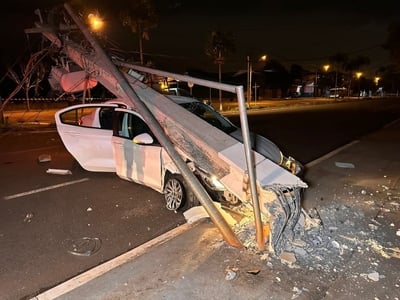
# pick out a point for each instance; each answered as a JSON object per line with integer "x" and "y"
{"x": 177, "y": 195}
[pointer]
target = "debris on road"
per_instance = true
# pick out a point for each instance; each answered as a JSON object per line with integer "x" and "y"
{"x": 28, "y": 217}
{"x": 59, "y": 171}
{"x": 230, "y": 273}
{"x": 44, "y": 158}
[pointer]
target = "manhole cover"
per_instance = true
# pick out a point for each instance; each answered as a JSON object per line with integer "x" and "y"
{"x": 85, "y": 246}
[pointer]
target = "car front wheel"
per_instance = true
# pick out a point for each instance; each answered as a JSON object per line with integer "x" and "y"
{"x": 177, "y": 195}
{"x": 174, "y": 192}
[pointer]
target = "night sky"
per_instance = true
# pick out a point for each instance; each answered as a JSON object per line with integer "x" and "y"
{"x": 301, "y": 32}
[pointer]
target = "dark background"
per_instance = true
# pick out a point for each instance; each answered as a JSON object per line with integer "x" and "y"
{"x": 302, "y": 32}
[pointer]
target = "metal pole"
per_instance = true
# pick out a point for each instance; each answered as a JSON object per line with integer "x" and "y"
{"x": 248, "y": 80}
{"x": 336, "y": 82}
{"x": 197, "y": 188}
{"x": 316, "y": 84}
{"x": 251, "y": 170}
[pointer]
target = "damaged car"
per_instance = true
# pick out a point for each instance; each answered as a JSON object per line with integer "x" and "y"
{"x": 111, "y": 137}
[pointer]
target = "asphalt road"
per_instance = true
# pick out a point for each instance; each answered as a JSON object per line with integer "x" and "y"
{"x": 44, "y": 215}
{"x": 54, "y": 227}
{"x": 307, "y": 132}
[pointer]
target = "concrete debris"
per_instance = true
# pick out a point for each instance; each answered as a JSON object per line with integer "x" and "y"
{"x": 372, "y": 226}
{"x": 59, "y": 171}
{"x": 253, "y": 271}
{"x": 28, "y": 218}
{"x": 374, "y": 276}
{"x": 197, "y": 213}
{"x": 287, "y": 258}
{"x": 230, "y": 273}
{"x": 44, "y": 158}
{"x": 298, "y": 292}
{"x": 300, "y": 251}
{"x": 335, "y": 244}
{"x": 325, "y": 237}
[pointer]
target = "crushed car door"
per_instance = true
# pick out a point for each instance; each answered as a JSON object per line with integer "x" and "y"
{"x": 86, "y": 133}
{"x": 137, "y": 152}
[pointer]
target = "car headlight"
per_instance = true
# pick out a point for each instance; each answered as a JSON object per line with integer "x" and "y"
{"x": 217, "y": 185}
{"x": 209, "y": 180}
{"x": 292, "y": 165}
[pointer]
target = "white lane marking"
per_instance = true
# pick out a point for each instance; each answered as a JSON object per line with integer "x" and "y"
{"x": 32, "y": 150}
{"x": 330, "y": 154}
{"x": 52, "y": 187}
{"x": 91, "y": 274}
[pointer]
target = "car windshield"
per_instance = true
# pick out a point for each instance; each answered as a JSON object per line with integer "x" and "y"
{"x": 208, "y": 114}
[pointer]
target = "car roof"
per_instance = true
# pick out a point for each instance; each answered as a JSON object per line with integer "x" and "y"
{"x": 176, "y": 99}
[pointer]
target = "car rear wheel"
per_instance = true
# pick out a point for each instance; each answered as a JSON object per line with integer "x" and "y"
{"x": 177, "y": 196}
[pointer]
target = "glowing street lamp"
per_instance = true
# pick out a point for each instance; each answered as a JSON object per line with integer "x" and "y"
{"x": 95, "y": 22}
{"x": 326, "y": 67}
{"x": 376, "y": 80}
{"x": 358, "y": 75}
{"x": 250, "y": 73}
{"x": 263, "y": 58}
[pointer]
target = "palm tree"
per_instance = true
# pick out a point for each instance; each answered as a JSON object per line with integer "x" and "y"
{"x": 392, "y": 43}
{"x": 140, "y": 16}
{"x": 219, "y": 45}
{"x": 339, "y": 60}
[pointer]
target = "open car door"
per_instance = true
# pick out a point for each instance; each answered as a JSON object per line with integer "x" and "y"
{"x": 86, "y": 131}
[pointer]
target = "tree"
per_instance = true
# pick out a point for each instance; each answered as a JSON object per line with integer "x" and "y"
{"x": 219, "y": 45}
{"x": 393, "y": 43}
{"x": 339, "y": 60}
{"x": 390, "y": 78}
{"x": 277, "y": 78}
{"x": 353, "y": 65}
{"x": 29, "y": 76}
{"x": 140, "y": 16}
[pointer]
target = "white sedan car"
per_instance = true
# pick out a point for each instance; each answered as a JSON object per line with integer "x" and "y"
{"x": 110, "y": 137}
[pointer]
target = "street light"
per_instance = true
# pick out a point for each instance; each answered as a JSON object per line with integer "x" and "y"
{"x": 262, "y": 58}
{"x": 379, "y": 89}
{"x": 95, "y": 21}
{"x": 358, "y": 75}
{"x": 326, "y": 69}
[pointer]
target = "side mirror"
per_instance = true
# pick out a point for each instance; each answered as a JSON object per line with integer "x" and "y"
{"x": 143, "y": 138}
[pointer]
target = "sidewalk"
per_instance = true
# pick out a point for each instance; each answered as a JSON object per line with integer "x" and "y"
{"x": 353, "y": 254}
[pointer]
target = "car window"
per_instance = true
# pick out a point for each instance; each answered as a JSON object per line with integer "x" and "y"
{"x": 106, "y": 117}
{"x": 130, "y": 125}
{"x": 83, "y": 116}
{"x": 209, "y": 115}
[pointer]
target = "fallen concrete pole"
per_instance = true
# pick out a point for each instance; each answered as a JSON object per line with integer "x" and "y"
{"x": 248, "y": 175}
{"x": 131, "y": 96}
